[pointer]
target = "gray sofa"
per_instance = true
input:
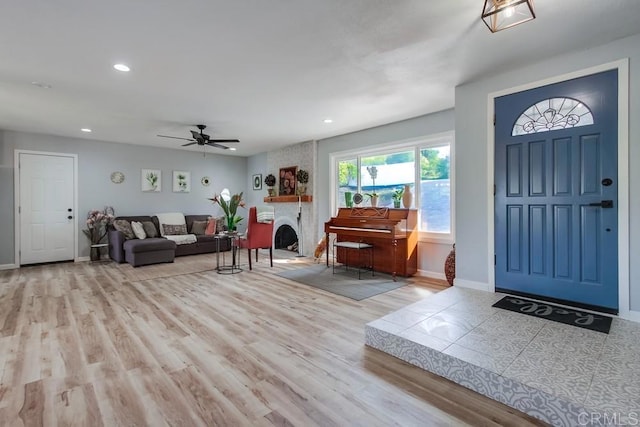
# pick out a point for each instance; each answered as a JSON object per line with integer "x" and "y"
{"x": 156, "y": 250}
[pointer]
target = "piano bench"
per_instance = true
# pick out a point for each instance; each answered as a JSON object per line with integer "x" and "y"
{"x": 358, "y": 246}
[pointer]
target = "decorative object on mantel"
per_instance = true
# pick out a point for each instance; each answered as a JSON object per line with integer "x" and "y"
{"x": 205, "y": 181}
{"x": 357, "y": 198}
{"x": 397, "y": 197}
{"x": 229, "y": 205}
{"x": 270, "y": 180}
{"x": 407, "y": 197}
{"x": 287, "y": 181}
{"x": 450, "y": 266}
{"x": 303, "y": 178}
{"x": 96, "y": 231}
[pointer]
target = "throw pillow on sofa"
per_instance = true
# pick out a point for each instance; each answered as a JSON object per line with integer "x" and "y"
{"x": 150, "y": 229}
{"x": 174, "y": 229}
{"x": 124, "y": 226}
{"x": 211, "y": 226}
{"x": 138, "y": 230}
{"x": 171, "y": 218}
{"x": 198, "y": 227}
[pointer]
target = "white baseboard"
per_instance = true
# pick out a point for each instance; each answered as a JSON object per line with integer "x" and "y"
{"x": 479, "y": 286}
{"x": 631, "y": 315}
{"x": 432, "y": 274}
{"x": 8, "y": 266}
{"x": 81, "y": 259}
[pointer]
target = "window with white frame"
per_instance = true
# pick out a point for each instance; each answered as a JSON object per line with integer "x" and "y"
{"x": 424, "y": 166}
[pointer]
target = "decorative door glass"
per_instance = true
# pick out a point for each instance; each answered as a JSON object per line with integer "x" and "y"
{"x": 552, "y": 114}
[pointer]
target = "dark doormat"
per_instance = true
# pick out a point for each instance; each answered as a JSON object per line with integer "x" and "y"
{"x": 568, "y": 316}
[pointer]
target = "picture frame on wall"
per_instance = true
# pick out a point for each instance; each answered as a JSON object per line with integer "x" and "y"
{"x": 287, "y": 182}
{"x": 181, "y": 181}
{"x": 257, "y": 181}
{"x": 151, "y": 180}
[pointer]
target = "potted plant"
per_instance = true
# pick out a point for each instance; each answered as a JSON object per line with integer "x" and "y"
{"x": 302, "y": 176}
{"x": 270, "y": 181}
{"x": 397, "y": 197}
{"x": 373, "y": 197}
{"x": 230, "y": 207}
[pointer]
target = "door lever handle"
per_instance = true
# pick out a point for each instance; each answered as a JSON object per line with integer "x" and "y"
{"x": 607, "y": 204}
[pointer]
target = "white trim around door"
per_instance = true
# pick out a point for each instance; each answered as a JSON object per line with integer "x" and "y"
{"x": 622, "y": 66}
{"x": 16, "y": 202}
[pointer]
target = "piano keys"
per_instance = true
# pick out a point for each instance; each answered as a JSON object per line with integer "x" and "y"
{"x": 393, "y": 233}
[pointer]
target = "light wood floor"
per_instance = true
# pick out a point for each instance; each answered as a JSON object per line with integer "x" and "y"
{"x": 91, "y": 344}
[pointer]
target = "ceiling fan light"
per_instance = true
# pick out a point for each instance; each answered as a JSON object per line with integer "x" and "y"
{"x": 502, "y": 14}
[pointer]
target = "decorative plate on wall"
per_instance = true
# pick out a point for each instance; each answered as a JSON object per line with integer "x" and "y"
{"x": 117, "y": 177}
{"x": 205, "y": 181}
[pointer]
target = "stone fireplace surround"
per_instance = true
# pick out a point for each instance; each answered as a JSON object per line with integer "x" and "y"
{"x": 303, "y": 156}
{"x": 287, "y": 214}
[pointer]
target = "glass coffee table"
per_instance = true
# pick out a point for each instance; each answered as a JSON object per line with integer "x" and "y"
{"x": 234, "y": 267}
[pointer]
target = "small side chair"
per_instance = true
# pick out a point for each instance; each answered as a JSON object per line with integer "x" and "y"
{"x": 259, "y": 234}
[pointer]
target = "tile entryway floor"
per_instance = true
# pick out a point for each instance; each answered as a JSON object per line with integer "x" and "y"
{"x": 559, "y": 373}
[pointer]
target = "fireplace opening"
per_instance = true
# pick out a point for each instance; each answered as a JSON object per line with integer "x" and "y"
{"x": 286, "y": 238}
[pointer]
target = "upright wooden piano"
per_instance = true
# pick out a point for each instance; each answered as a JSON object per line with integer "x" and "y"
{"x": 392, "y": 232}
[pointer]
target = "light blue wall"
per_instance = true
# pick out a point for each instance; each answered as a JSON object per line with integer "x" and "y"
{"x": 256, "y": 165}
{"x": 97, "y": 160}
{"x": 431, "y": 255}
{"x": 472, "y": 188}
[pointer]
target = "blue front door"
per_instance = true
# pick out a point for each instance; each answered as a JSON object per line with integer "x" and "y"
{"x": 556, "y": 203}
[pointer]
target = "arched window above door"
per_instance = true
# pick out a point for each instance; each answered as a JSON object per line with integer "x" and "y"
{"x": 552, "y": 114}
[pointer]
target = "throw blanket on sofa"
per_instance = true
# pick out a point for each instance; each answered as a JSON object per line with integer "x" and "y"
{"x": 264, "y": 214}
{"x": 172, "y": 218}
{"x": 183, "y": 239}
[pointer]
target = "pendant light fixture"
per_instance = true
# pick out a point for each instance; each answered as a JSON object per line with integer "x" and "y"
{"x": 502, "y": 14}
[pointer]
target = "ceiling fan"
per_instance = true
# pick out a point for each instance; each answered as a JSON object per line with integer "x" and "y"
{"x": 201, "y": 138}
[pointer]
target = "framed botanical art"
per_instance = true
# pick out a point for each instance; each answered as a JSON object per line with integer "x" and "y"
{"x": 151, "y": 180}
{"x": 181, "y": 181}
{"x": 287, "y": 181}
{"x": 257, "y": 181}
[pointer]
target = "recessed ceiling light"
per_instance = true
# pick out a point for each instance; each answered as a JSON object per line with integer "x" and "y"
{"x": 86, "y": 130}
{"x": 328, "y": 120}
{"x": 42, "y": 85}
{"x": 232, "y": 148}
{"x": 121, "y": 67}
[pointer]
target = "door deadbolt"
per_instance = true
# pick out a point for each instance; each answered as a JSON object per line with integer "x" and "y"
{"x": 607, "y": 182}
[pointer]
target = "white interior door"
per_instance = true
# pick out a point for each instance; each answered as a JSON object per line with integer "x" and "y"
{"x": 46, "y": 203}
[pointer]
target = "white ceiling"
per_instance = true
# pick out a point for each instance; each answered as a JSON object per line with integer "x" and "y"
{"x": 266, "y": 72}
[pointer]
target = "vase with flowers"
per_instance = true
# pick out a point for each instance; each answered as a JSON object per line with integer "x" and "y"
{"x": 229, "y": 204}
{"x": 96, "y": 231}
{"x": 270, "y": 181}
{"x": 302, "y": 176}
